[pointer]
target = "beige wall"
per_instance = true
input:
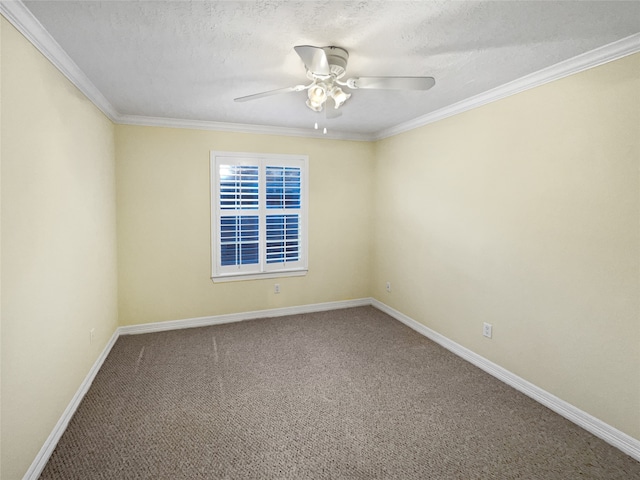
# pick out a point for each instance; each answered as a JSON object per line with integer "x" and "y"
{"x": 164, "y": 258}
{"x": 58, "y": 246}
{"x": 525, "y": 214}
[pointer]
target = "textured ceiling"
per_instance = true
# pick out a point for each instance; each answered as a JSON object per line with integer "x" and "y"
{"x": 189, "y": 59}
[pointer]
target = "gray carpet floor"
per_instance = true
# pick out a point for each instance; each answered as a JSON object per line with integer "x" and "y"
{"x": 346, "y": 394}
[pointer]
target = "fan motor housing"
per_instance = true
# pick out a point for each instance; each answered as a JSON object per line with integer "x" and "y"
{"x": 337, "y": 58}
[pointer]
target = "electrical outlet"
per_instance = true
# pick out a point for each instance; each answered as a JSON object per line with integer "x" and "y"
{"x": 487, "y": 329}
{"x": 91, "y": 335}
{"x": 388, "y": 286}
{"x": 276, "y": 288}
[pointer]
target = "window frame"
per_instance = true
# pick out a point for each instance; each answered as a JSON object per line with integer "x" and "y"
{"x": 262, "y": 269}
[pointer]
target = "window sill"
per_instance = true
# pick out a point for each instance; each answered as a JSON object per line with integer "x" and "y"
{"x": 258, "y": 276}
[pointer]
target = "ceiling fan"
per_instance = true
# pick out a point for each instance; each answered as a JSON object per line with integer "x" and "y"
{"x": 325, "y": 68}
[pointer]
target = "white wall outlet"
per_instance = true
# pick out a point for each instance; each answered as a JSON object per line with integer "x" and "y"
{"x": 388, "y": 286}
{"x": 92, "y": 333}
{"x": 276, "y": 288}
{"x": 487, "y": 329}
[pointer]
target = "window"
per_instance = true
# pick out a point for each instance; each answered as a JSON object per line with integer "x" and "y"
{"x": 258, "y": 215}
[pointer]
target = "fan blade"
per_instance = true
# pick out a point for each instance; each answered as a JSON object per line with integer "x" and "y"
{"x": 392, "y": 83}
{"x": 297, "y": 88}
{"x": 314, "y": 58}
{"x": 332, "y": 113}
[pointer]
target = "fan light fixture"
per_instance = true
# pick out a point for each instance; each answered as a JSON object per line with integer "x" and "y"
{"x": 317, "y": 96}
{"x": 339, "y": 97}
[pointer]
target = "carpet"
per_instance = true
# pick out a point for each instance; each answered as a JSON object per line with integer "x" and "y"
{"x": 343, "y": 394}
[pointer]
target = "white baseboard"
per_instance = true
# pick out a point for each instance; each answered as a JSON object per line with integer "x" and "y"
{"x": 50, "y": 443}
{"x": 609, "y": 434}
{"x": 239, "y": 317}
{"x": 600, "y": 429}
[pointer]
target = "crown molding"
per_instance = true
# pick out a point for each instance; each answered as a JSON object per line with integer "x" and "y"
{"x": 593, "y": 58}
{"x": 23, "y": 20}
{"x": 28, "y": 25}
{"x": 240, "y": 128}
